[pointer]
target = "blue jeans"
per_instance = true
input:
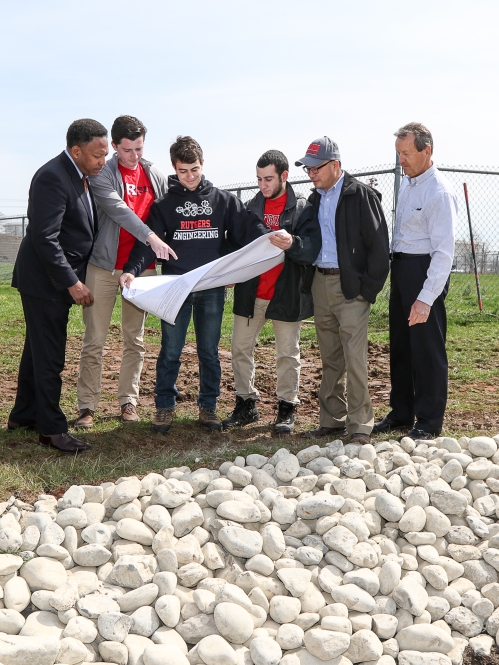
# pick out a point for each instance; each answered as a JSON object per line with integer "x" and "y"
{"x": 207, "y": 308}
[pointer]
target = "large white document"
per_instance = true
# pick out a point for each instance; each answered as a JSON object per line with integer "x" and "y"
{"x": 164, "y": 295}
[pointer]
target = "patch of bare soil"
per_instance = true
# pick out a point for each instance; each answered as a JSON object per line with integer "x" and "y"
{"x": 472, "y": 658}
{"x": 486, "y": 419}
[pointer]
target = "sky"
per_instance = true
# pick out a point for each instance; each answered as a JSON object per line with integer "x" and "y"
{"x": 245, "y": 77}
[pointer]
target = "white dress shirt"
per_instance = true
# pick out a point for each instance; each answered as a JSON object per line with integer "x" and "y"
{"x": 425, "y": 223}
{"x": 87, "y": 190}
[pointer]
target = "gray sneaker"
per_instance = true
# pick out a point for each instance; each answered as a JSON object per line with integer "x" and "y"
{"x": 163, "y": 420}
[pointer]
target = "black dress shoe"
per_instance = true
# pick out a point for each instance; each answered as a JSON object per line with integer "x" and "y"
{"x": 11, "y": 426}
{"x": 419, "y": 435}
{"x": 322, "y": 432}
{"x": 65, "y": 443}
{"x": 388, "y": 424}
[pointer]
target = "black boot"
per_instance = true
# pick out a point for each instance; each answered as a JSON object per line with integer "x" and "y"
{"x": 285, "y": 421}
{"x": 245, "y": 412}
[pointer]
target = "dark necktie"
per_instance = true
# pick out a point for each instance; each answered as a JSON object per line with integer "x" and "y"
{"x": 85, "y": 183}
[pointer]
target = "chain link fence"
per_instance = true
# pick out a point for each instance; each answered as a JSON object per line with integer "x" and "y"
{"x": 483, "y": 188}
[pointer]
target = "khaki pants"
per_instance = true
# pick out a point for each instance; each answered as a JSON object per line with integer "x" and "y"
{"x": 104, "y": 285}
{"x": 342, "y": 335}
{"x": 287, "y": 345}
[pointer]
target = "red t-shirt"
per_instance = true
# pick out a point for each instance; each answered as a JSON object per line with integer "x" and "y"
{"x": 271, "y": 214}
{"x": 138, "y": 194}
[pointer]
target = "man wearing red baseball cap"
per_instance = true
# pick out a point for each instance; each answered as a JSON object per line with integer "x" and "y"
{"x": 351, "y": 270}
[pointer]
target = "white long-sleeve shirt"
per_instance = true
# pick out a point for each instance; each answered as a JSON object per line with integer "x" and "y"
{"x": 425, "y": 223}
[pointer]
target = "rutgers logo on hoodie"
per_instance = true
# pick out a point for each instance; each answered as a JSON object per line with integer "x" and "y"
{"x": 198, "y": 229}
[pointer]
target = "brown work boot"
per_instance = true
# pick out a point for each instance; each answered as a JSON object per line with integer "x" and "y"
{"x": 209, "y": 419}
{"x": 85, "y": 419}
{"x": 360, "y": 437}
{"x": 129, "y": 413}
{"x": 327, "y": 432}
{"x": 163, "y": 420}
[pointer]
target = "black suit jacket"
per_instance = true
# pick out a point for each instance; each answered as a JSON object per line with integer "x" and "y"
{"x": 60, "y": 235}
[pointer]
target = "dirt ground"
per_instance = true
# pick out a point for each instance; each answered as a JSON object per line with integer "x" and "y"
{"x": 485, "y": 418}
{"x": 472, "y": 658}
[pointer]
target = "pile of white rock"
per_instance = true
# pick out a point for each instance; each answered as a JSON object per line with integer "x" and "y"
{"x": 338, "y": 555}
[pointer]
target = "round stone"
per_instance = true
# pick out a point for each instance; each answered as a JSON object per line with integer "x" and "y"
{"x": 287, "y": 468}
{"x": 138, "y": 532}
{"x": 43, "y": 573}
{"x": 265, "y": 651}
{"x": 91, "y": 555}
{"x": 16, "y": 595}
{"x": 414, "y": 519}
{"x": 11, "y": 621}
{"x": 214, "y": 650}
{"x": 319, "y": 505}
{"x": 233, "y": 622}
{"x": 284, "y": 609}
{"x": 239, "y": 511}
{"x": 289, "y": 636}
{"x": 389, "y": 507}
{"x": 326, "y": 644}
{"x": 482, "y": 446}
{"x": 425, "y": 638}
{"x": 168, "y": 609}
{"x": 240, "y": 542}
{"x": 155, "y": 655}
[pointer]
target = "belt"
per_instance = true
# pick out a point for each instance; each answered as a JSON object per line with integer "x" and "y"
{"x": 403, "y": 255}
{"x": 329, "y": 271}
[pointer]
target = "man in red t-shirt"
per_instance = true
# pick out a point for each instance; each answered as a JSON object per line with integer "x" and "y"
{"x": 124, "y": 191}
{"x": 281, "y": 294}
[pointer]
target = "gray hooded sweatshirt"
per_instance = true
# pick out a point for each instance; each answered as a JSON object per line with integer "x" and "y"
{"x": 107, "y": 188}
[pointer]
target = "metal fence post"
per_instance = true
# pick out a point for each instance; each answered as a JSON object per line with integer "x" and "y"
{"x": 23, "y": 227}
{"x": 396, "y": 187}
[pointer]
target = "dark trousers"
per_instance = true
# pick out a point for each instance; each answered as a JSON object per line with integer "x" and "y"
{"x": 418, "y": 359}
{"x": 39, "y": 383}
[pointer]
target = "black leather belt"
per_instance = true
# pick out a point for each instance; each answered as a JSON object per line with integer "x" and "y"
{"x": 329, "y": 271}
{"x": 403, "y": 255}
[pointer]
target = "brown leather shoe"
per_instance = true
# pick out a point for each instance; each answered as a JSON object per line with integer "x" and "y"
{"x": 323, "y": 432}
{"x": 360, "y": 437}
{"x": 11, "y": 426}
{"x": 129, "y": 413}
{"x": 64, "y": 443}
{"x": 86, "y": 419}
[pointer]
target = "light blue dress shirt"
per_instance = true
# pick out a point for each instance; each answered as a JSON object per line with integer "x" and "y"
{"x": 328, "y": 256}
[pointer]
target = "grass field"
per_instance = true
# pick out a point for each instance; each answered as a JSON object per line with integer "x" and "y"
{"x": 26, "y": 469}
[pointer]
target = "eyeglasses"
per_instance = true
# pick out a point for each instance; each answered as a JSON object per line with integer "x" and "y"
{"x": 315, "y": 169}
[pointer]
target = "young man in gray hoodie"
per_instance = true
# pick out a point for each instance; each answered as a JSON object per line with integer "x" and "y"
{"x": 124, "y": 191}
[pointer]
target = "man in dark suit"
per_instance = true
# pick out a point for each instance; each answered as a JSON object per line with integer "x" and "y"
{"x": 50, "y": 275}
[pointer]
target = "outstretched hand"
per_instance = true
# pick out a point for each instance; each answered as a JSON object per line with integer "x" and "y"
{"x": 160, "y": 248}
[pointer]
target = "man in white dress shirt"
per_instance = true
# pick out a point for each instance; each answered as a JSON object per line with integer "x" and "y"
{"x": 422, "y": 254}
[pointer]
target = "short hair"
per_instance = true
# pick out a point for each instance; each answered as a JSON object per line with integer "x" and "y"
{"x": 422, "y": 135}
{"x": 185, "y": 149}
{"x": 84, "y": 131}
{"x": 127, "y": 127}
{"x": 276, "y": 158}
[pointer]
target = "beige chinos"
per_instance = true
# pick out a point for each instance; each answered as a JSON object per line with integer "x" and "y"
{"x": 104, "y": 286}
{"x": 287, "y": 344}
{"x": 341, "y": 327}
